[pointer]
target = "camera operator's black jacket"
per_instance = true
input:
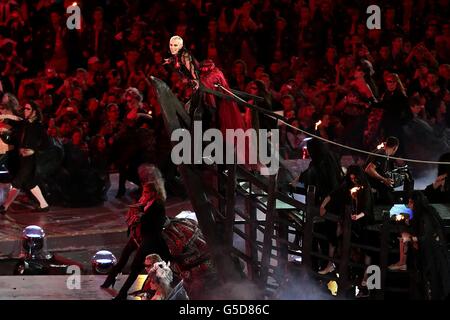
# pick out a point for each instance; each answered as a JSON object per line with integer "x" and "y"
{"x": 437, "y": 195}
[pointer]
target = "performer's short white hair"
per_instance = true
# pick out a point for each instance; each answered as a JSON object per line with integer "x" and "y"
{"x": 177, "y": 38}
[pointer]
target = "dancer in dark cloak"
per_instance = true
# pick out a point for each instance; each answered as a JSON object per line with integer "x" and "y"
{"x": 423, "y": 249}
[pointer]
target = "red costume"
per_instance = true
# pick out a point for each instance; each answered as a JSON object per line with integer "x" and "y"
{"x": 229, "y": 115}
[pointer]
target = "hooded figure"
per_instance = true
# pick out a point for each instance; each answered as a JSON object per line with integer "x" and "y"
{"x": 431, "y": 257}
{"x": 324, "y": 171}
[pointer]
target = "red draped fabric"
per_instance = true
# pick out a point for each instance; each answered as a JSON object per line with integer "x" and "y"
{"x": 228, "y": 113}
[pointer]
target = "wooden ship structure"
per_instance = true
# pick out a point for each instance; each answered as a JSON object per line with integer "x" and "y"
{"x": 260, "y": 234}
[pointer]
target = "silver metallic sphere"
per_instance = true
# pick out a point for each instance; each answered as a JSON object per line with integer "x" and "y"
{"x": 102, "y": 262}
{"x": 33, "y": 240}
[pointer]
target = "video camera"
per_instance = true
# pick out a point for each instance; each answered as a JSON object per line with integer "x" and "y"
{"x": 399, "y": 176}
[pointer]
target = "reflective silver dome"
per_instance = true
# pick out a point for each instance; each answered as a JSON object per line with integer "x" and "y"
{"x": 33, "y": 240}
{"x": 33, "y": 232}
{"x": 103, "y": 261}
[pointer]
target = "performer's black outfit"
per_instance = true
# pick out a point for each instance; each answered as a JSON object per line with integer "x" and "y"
{"x": 340, "y": 199}
{"x": 382, "y": 166}
{"x": 178, "y": 63}
{"x": 152, "y": 223}
{"x": 324, "y": 171}
{"x": 342, "y": 203}
{"x": 364, "y": 203}
{"x": 431, "y": 260}
{"x": 32, "y": 137}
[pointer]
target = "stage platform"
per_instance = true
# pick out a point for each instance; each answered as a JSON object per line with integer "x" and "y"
{"x": 55, "y": 288}
{"x": 76, "y": 233}
{"x": 63, "y": 225}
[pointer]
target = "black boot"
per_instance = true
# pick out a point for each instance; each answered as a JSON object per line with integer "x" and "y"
{"x": 123, "y": 292}
{"x": 122, "y": 295}
{"x": 109, "y": 282}
{"x": 122, "y": 183}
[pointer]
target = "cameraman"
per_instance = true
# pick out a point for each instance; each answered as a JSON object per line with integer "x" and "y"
{"x": 439, "y": 190}
{"x": 377, "y": 169}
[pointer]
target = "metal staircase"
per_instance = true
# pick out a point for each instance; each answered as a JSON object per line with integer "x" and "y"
{"x": 256, "y": 232}
{"x": 232, "y": 202}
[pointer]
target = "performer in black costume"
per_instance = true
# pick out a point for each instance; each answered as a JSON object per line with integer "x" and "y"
{"x": 189, "y": 68}
{"x": 355, "y": 191}
{"x": 31, "y": 139}
{"x": 134, "y": 232}
{"x": 182, "y": 61}
{"x": 324, "y": 171}
{"x": 150, "y": 240}
{"x": 204, "y": 106}
{"x": 430, "y": 255}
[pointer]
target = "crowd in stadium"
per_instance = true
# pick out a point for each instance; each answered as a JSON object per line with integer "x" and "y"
{"x": 314, "y": 60}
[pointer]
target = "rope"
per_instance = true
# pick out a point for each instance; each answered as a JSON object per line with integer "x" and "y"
{"x": 333, "y": 142}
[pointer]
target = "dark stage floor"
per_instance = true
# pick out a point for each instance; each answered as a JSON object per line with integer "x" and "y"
{"x": 75, "y": 233}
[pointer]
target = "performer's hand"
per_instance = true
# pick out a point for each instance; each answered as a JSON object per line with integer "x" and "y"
{"x": 357, "y": 216}
{"x": 388, "y": 182}
{"x": 195, "y": 84}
